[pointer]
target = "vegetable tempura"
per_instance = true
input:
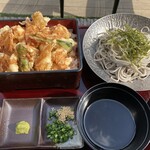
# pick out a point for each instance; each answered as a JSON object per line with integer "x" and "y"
{"x": 34, "y": 46}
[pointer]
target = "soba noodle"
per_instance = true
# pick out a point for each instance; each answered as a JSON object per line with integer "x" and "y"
{"x": 124, "y": 53}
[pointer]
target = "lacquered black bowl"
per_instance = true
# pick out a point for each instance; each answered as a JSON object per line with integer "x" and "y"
{"x": 105, "y": 131}
{"x": 45, "y": 79}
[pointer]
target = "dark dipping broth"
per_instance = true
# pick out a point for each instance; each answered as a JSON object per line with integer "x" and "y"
{"x": 109, "y": 124}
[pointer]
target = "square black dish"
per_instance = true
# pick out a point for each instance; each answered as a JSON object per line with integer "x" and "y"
{"x": 14, "y": 111}
{"x": 56, "y": 103}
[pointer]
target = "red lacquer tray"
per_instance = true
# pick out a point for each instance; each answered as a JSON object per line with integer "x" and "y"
{"x": 88, "y": 79}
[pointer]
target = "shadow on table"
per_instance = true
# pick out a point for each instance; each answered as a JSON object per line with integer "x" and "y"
{"x": 50, "y": 7}
{"x": 100, "y": 8}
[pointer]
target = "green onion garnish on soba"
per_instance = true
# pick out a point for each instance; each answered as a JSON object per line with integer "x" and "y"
{"x": 131, "y": 44}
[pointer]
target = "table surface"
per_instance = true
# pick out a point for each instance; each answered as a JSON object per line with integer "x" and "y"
{"x": 88, "y": 79}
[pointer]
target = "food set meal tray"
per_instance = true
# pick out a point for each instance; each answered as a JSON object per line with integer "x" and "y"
{"x": 36, "y": 112}
{"x": 44, "y": 79}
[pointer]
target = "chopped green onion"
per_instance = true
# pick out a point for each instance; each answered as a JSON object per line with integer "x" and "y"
{"x": 58, "y": 131}
{"x": 132, "y": 44}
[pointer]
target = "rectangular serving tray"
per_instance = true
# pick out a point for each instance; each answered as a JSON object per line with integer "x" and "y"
{"x": 36, "y": 112}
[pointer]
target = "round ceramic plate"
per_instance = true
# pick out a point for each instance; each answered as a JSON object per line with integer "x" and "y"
{"x": 90, "y": 41}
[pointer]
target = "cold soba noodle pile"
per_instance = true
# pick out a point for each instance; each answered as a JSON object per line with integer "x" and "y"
{"x": 124, "y": 53}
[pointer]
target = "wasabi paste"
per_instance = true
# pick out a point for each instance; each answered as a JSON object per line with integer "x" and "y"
{"x": 22, "y": 127}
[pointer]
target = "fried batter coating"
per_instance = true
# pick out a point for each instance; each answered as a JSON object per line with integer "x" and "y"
{"x": 59, "y": 31}
{"x": 13, "y": 64}
{"x": 39, "y": 20}
{"x": 19, "y": 33}
{"x": 8, "y": 63}
{"x": 6, "y": 42}
{"x": 4, "y": 62}
{"x": 37, "y": 39}
{"x": 44, "y": 61}
{"x": 61, "y": 59}
{"x": 36, "y": 26}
